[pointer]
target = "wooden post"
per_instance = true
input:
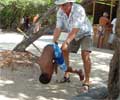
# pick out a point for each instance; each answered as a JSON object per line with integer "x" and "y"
{"x": 94, "y": 3}
{"x": 111, "y": 10}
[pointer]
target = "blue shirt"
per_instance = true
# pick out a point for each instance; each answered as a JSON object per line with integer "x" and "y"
{"x": 76, "y": 19}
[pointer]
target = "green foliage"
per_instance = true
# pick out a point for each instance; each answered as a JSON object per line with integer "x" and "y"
{"x": 14, "y": 10}
{"x": 78, "y": 1}
{"x": 90, "y": 18}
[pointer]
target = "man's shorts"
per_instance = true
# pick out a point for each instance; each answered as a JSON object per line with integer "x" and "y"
{"x": 85, "y": 43}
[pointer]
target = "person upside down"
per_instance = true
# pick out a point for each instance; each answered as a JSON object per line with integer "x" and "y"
{"x": 50, "y": 59}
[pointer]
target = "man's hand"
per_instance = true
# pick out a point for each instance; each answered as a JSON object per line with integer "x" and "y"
{"x": 65, "y": 45}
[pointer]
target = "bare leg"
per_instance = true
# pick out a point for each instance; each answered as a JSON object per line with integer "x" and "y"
{"x": 70, "y": 69}
{"x": 100, "y": 41}
{"x": 78, "y": 72}
{"x": 66, "y": 57}
{"x": 98, "y": 44}
{"x": 87, "y": 65}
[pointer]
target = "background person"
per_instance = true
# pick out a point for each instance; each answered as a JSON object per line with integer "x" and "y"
{"x": 35, "y": 18}
{"x": 26, "y": 23}
{"x": 36, "y": 23}
{"x": 112, "y": 35}
{"x": 103, "y": 23}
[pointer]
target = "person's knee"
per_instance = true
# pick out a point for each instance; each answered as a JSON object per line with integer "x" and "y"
{"x": 86, "y": 56}
{"x": 65, "y": 50}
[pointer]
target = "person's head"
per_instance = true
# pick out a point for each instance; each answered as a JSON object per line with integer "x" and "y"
{"x": 65, "y": 5}
{"x": 105, "y": 14}
{"x": 46, "y": 64}
{"x": 44, "y": 78}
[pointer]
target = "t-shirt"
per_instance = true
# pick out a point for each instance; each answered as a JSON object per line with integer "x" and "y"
{"x": 114, "y": 24}
{"x": 76, "y": 19}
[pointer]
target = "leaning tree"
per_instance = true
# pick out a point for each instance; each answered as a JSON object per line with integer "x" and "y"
{"x": 43, "y": 30}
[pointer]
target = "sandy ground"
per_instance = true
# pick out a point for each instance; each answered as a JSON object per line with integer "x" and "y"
{"x": 22, "y": 83}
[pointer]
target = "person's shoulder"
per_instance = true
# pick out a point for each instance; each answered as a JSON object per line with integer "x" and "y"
{"x": 60, "y": 13}
{"x": 103, "y": 18}
{"x": 77, "y": 6}
{"x": 114, "y": 21}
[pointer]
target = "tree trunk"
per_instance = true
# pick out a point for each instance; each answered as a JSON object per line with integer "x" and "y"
{"x": 34, "y": 36}
{"x": 114, "y": 74}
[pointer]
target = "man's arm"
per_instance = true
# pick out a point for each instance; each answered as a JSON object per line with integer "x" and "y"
{"x": 56, "y": 34}
{"x": 72, "y": 35}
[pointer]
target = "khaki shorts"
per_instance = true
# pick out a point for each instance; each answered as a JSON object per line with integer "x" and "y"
{"x": 85, "y": 43}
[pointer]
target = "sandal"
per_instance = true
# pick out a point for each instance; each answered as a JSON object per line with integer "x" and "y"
{"x": 65, "y": 79}
{"x": 84, "y": 88}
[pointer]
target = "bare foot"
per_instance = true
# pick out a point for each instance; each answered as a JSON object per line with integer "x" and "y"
{"x": 84, "y": 88}
{"x": 81, "y": 75}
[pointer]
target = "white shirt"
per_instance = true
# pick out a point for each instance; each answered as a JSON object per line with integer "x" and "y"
{"x": 77, "y": 19}
{"x": 114, "y": 25}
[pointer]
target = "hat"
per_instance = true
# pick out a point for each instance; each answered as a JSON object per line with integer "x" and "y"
{"x": 59, "y": 2}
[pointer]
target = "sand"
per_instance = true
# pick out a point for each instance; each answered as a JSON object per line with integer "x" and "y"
{"x": 20, "y": 82}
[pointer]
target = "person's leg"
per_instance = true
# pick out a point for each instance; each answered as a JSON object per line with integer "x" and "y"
{"x": 101, "y": 41}
{"x": 74, "y": 44}
{"x": 101, "y": 37}
{"x": 70, "y": 69}
{"x": 66, "y": 58}
{"x": 86, "y": 47}
{"x": 87, "y": 65}
{"x": 98, "y": 43}
{"x": 78, "y": 72}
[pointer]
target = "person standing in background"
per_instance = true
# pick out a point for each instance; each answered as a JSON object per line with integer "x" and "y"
{"x": 112, "y": 35}
{"x": 35, "y": 18}
{"x": 103, "y": 23}
{"x": 36, "y": 23}
{"x": 26, "y": 23}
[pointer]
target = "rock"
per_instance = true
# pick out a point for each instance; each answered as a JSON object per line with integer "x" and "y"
{"x": 82, "y": 98}
{"x": 93, "y": 94}
{"x": 118, "y": 97}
